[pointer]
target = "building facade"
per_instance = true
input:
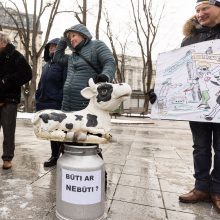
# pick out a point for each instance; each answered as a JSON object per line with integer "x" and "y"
{"x": 8, "y": 26}
{"x": 133, "y": 68}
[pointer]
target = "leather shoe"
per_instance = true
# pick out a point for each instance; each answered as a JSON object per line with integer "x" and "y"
{"x": 216, "y": 201}
{"x": 51, "y": 162}
{"x": 195, "y": 196}
{"x": 7, "y": 164}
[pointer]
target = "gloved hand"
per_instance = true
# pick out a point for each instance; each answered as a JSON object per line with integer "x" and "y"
{"x": 63, "y": 42}
{"x": 101, "y": 78}
{"x": 152, "y": 96}
{"x": 2, "y": 84}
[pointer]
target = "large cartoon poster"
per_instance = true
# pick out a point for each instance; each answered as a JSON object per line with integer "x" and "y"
{"x": 188, "y": 83}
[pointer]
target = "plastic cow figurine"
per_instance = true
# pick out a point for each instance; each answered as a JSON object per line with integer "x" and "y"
{"x": 90, "y": 125}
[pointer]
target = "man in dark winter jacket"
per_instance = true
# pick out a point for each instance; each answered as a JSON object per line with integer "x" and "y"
{"x": 14, "y": 72}
{"x": 203, "y": 27}
{"x": 49, "y": 94}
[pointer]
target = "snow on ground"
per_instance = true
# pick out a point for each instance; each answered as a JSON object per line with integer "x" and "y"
{"x": 24, "y": 115}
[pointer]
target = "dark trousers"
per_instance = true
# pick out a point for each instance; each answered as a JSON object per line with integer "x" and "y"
{"x": 56, "y": 148}
{"x": 8, "y": 114}
{"x": 205, "y": 135}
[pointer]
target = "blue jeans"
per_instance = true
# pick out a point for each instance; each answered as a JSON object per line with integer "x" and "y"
{"x": 8, "y": 114}
{"x": 205, "y": 136}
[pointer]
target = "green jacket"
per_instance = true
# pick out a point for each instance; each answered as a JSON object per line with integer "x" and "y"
{"x": 78, "y": 71}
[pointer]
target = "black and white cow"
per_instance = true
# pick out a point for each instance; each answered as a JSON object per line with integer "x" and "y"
{"x": 90, "y": 125}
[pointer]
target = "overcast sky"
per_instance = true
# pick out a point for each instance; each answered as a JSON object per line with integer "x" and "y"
{"x": 170, "y": 33}
{"x": 169, "y": 36}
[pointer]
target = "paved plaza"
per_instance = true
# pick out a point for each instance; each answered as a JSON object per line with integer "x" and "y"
{"x": 149, "y": 165}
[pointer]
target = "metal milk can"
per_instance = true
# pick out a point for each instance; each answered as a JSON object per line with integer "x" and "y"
{"x": 80, "y": 191}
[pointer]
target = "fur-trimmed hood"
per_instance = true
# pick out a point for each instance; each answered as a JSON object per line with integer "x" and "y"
{"x": 191, "y": 27}
{"x": 195, "y": 32}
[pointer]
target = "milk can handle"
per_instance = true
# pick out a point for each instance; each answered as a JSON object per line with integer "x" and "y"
{"x": 99, "y": 150}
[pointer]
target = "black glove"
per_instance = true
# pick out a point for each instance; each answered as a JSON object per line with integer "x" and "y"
{"x": 152, "y": 96}
{"x": 63, "y": 42}
{"x": 2, "y": 84}
{"x": 101, "y": 78}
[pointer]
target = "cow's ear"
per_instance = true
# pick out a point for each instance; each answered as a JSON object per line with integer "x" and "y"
{"x": 88, "y": 93}
{"x": 91, "y": 82}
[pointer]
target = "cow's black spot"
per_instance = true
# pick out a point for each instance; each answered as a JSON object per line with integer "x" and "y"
{"x": 79, "y": 117}
{"x": 58, "y": 116}
{"x": 104, "y": 92}
{"x": 91, "y": 120}
{"x": 69, "y": 126}
{"x": 53, "y": 116}
{"x": 44, "y": 117}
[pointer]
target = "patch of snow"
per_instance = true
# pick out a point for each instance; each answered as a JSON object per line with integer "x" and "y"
{"x": 24, "y": 115}
{"x": 24, "y": 205}
{"x": 122, "y": 121}
{"x": 4, "y": 213}
{"x": 14, "y": 182}
{"x": 29, "y": 192}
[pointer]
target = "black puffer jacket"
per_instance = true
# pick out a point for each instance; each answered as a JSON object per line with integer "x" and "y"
{"x": 14, "y": 72}
{"x": 49, "y": 94}
{"x": 195, "y": 33}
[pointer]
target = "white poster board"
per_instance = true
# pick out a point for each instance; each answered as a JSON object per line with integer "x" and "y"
{"x": 83, "y": 188}
{"x": 188, "y": 83}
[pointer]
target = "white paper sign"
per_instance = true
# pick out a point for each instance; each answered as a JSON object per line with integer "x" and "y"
{"x": 188, "y": 83}
{"x": 82, "y": 188}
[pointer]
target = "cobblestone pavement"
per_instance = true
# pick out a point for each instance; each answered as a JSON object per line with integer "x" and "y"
{"x": 149, "y": 166}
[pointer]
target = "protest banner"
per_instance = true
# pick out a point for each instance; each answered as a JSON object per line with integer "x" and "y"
{"x": 187, "y": 83}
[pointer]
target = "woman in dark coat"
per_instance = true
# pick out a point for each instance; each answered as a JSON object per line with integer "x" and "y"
{"x": 49, "y": 93}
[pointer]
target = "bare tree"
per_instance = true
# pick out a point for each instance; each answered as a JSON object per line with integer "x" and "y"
{"x": 146, "y": 30}
{"x": 98, "y": 19}
{"x": 81, "y": 14}
{"x": 122, "y": 60}
{"x": 119, "y": 60}
{"x": 28, "y": 30}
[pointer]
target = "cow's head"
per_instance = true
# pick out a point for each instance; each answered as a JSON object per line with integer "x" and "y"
{"x": 106, "y": 96}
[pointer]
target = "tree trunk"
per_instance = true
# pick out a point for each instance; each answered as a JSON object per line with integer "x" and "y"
{"x": 30, "y": 89}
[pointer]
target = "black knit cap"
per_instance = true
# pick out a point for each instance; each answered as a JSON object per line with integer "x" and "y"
{"x": 211, "y": 2}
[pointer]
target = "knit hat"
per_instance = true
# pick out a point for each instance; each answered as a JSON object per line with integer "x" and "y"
{"x": 211, "y": 2}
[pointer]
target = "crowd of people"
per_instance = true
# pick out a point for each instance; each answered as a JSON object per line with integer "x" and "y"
{"x": 65, "y": 75}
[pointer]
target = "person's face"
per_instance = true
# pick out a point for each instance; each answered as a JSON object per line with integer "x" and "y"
{"x": 52, "y": 48}
{"x": 2, "y": 45}
{"x": 208, "y": 15}
{"x": 75, "y": 38}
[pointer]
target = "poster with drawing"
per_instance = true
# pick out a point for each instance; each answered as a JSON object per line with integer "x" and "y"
{"x": 188, "y": 83}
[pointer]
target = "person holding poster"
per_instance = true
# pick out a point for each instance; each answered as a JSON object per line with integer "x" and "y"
{"x": 204, "y": 26}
